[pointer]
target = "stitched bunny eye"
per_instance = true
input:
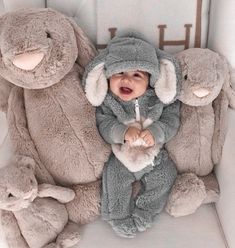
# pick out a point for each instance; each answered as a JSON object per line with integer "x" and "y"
{"x": 48, "y": 35}
{"x": 10, "y": 195}
{"x": 28, "y": 166}
{"x": 185, "y": 77}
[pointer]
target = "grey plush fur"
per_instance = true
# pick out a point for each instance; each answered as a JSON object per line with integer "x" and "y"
{"x": 136, "y": 161}
{"x": 130, "y": 51}
{"x": 126, "y": 214}
{"x": 49, "y": 117}
{"x": 131, "y": 163}
{"x": 197, "y": 147}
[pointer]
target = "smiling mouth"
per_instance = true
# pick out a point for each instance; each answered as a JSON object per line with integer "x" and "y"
{"x": 125, "y": 90}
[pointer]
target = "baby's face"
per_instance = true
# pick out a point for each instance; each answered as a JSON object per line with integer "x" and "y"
{"x": 129, "y": 85}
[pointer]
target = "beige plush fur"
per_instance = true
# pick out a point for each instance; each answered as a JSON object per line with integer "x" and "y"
{"x": 197, "y": 147}
{"x": 34, "y": 215}
{"x": 50, "y": 119}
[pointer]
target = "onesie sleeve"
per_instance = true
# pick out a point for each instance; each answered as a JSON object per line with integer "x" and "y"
{"x": 167, "y": 126}
{"x": 109, "y": 127}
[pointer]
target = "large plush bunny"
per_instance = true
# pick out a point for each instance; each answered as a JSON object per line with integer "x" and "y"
{"x": 34, "y": 215}
{"x": 43, "y": 55}
{"x": 205, "y": 96}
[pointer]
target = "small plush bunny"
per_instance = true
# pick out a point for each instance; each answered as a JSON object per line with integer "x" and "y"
{"x": 34, "y": 215}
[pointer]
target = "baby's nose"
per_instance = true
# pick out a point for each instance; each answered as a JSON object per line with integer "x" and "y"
{"x": 125, "y": 77}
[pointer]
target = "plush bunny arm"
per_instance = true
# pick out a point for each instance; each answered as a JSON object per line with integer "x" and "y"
{"x": 231, "y": 98}
{"x": 228, "y": 87}
{"x": 59, "y": 193}
{"x": 220, "y": 106}
{"x": 5, "y": 89}
{"x": 19, "y": 134}
{"x": 12, "y": 232}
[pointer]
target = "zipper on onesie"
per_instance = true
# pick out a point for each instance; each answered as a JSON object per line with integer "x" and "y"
{"x": 137, "y": 110}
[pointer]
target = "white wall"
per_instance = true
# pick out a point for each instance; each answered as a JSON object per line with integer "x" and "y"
{"x": 222, "y": 39}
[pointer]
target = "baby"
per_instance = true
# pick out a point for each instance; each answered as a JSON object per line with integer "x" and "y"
{"x": 130, "y": 117}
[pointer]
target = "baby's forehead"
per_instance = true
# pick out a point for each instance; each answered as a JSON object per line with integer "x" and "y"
{"x": 134, "y": 71}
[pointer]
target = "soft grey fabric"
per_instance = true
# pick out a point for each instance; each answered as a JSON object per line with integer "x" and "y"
{"x": 114, "y": 116}
{"x": 130, "y": 51}
{"x": 113, "y": 113}
{"x": 117, "y": 206}
{"x": 125, "y": 214}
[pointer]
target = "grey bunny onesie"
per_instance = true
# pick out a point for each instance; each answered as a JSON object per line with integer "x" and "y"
{"x": 153, "y": 111}
{"x": 157, "y": 178}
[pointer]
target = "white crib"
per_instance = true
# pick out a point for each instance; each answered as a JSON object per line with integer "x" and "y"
{"x": 172, "y": 25}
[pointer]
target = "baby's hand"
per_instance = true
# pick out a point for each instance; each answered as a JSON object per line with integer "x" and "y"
{"x": 132, "y": 134}
{"x": 147, "y": 137}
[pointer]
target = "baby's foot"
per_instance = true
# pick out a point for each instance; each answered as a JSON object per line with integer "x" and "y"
{"x": 124, "y": 228}
{"x": 143, "y": 219}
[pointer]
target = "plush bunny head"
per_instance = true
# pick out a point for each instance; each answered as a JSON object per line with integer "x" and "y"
{"x": 18, "y": 185}
{"x": 130, "y": 52}
{"x": 204, "y": 74}
{"x": 38, "y": 47}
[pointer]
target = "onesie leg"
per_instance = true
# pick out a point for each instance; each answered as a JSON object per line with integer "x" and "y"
{"x": 156, "y": 187}
{"x": 116, "y": 200}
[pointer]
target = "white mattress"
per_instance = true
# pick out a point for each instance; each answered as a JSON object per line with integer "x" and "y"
{"x": 200, "y": 230}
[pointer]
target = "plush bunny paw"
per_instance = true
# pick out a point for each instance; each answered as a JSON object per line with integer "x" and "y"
{"x": 186, "y": 196}
{"x": 69, "y": 237}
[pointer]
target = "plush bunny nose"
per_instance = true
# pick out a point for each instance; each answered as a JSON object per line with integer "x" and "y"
{"x": 201, "y": 92}
{"x": 27, "y": 61}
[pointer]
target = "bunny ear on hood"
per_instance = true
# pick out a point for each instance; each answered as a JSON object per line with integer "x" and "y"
{"x": 130, "y": 53}
{"x": 94, "y": 80}
{"x": 168, "y": 84}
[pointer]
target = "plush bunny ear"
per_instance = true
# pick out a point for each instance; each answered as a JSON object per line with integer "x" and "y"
{"x": 94, "y": 80}
{"x": 167, "y": 86}
{"x": 228, "y": 86}
{"x": 86, "y": 50}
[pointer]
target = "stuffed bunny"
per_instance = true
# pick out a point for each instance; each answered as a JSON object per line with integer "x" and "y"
{"x": 43, "y": 54}
{"x": 29, "y": 217}
{"x": 197, "y": 147}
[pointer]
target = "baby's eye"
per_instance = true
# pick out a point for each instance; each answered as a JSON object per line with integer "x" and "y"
{"x": 137, "y": 75}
